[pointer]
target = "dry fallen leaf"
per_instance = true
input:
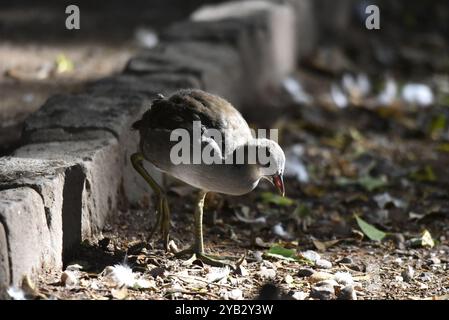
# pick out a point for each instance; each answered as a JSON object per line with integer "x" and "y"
{"x": 260, "y": 243}
{"x": 324, "y": 245}
{"x": 217, "y": 274}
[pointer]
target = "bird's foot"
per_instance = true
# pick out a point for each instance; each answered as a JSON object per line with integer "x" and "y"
{"x": 212, "y": 260}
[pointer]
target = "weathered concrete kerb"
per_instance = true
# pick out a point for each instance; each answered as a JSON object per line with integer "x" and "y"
{"x": 72, "y": 170}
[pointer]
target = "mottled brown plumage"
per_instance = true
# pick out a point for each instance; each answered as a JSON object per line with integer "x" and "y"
{"x": 186, "y": 106}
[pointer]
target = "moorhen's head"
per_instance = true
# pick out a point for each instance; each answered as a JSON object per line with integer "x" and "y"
{"x": 271, "y": 162}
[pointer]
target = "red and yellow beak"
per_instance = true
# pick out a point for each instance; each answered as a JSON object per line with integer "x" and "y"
{"x": 278, "y": 182}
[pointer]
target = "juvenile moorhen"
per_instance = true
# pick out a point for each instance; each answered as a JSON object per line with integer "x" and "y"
{"x": 229, "y": 173}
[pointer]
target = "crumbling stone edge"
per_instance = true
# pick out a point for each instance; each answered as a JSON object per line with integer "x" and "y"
{"x": 72, "y": 171}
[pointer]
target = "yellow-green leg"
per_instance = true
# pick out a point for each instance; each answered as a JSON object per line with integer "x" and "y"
{"x": 198, "y": 246}
{"x": 163, "y": 210}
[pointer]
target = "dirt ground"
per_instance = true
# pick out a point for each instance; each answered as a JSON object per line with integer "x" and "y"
{"x": 354, "y": 152}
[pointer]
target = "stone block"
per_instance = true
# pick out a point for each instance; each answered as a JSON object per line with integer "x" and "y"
{"x": 47, "y": 179}
{"x": 4, "y": 263}
{"x": 147, "y": 85}
{"x": 83, "y": 111}
{"x": 274, "y": 31}
{"x": 217, "y": 67}
{"x": 95, "y": 173}
{"x": 29, "y": 244}
{"x": 263, "y": 32}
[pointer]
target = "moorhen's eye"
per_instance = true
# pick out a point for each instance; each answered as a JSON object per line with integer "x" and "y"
{"x": 263, "y": 157}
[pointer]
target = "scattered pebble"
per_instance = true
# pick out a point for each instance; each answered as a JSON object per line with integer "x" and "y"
{"x": 408, "y": 274}
{"x": 324, "y": 290}
{"x": 266, "y": 273}
{"x": 347, "y": 293}
{"x": 258, "y": 255}
{"x": 344, "y": 278}
{"x": 434, "y": 261}
{"x": 236, "y": 294}
{"x": 145, "y": 284}
{"x": 119, "y": 294}
{"x": 311, "y": 255}
{"x": 329, "y": 282}
{"x": 423, "y": 286}
{"x": 305, "y": 272}
{"x": 322, "y": 293}
{"x": 323, "y": 264}
{"x": 299, "y": 295}
{"x": 398, "y": 279}
{"x": 398, "y": 239}
{"x": 345, "y": 260}
{"x": 425, "y": 276}
{"x": 320, "y": 276}
{"x": 288, "y": 279}
{"x": 69, "y": 279}
{"x": 259, "y": 242}
{"x": 269, "y": 264}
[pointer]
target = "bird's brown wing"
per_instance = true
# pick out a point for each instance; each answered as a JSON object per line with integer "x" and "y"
{"x": 186, "y": 106}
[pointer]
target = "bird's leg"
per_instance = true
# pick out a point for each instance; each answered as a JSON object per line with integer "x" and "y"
{"x": 163, "y": 211}
{"x": 198, "y": 217}
{"x": 198, "y": 246}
